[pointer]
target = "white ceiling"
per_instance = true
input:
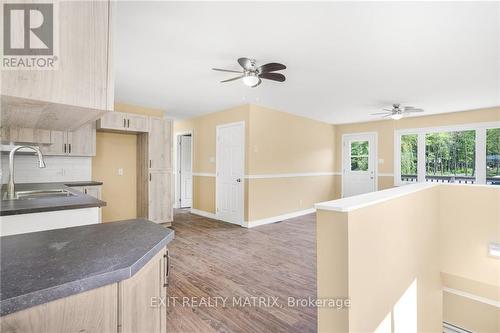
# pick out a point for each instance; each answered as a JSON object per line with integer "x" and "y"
{"x": 345, "y": 59}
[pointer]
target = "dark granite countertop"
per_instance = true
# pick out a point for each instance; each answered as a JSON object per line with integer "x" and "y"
{"x": 40, "y": 267}
{"x": 78, "y": 200}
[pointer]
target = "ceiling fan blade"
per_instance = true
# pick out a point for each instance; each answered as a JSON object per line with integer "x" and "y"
{"x": 225, "y": 70}
{"x": 245, "y": 63}
{"x": 273, "y": 76}
{"x": 271, "y": 67}
{"x": 388, "y": 110}
{"x": 379, "y": 113}
{"x": 387, "y": 116}
{"x": 234, "y": 78}
{"x": 413, "y": 110}
{"x": 260, "y": 81}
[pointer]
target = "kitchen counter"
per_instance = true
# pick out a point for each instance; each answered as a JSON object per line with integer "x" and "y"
{"x": 38, "y": 267}
{"x": 78, "y": 200}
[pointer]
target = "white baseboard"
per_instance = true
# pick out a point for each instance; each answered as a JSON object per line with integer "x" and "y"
{"x": 274, "y": 219}
{"x": 256, "y": 223}
{"x": 203, "y": 213}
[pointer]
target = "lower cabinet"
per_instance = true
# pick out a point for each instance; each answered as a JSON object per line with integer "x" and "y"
{"x": 94, "y": 191}
{"x": 159, "y": 197}
{"x": 120, "y": 307}
{"x": 135, "y": 307}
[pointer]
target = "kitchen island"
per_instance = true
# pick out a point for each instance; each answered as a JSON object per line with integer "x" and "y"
{"x": 95, "y": 278}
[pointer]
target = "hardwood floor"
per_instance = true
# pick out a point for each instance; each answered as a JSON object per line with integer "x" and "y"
{"x": 216, "y": 259}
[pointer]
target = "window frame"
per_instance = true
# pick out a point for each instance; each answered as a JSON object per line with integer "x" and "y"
{"x": 480, "y": 147}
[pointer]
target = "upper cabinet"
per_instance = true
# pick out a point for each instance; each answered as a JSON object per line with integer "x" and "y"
{"x": 120, "y": 121}
{"x": 81, "y": 142}
{"x": 81, "y": 89}
{"x": 160, "y": 141}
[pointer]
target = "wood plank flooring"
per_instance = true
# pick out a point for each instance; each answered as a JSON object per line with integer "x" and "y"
{"x": 216, "y": 259}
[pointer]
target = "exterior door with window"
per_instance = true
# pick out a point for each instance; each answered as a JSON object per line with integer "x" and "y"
{"x": 359, "y": 164}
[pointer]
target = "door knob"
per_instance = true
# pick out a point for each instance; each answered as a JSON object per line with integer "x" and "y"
{"x": 238, "y": 180}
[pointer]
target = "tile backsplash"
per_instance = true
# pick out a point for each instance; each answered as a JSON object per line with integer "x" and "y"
{"x": 58, "y": 169}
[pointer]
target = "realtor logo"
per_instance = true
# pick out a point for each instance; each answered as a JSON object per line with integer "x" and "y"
{"x": 28, "y": 36}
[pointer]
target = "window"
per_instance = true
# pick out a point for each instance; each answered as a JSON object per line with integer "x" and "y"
{"x": 359, "y": 155}
{"x": 409, "y": 158}
{"x": 450, "y": 156}
{"x": 454, "y": 154}
{"x": 493, "y": 156}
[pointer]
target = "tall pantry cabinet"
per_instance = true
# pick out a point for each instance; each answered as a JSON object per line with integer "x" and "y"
{"x": 154, "y": 150}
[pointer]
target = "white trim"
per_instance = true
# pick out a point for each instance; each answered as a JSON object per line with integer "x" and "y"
{"x": 481, "y": 299}
{"x": 203, "y": 174}
{"x": 449, "y": 128}
{"x": 450, "y": 328}
{"x": 203, "y": 213}
{"x": 291, "y": 175}
{"x": 177, "y": 163}
{"x": 375, "y": 167}
{"x": 367, "y": 199}
{"x": 274, "y": 219}
{"x": 241, "y": 219}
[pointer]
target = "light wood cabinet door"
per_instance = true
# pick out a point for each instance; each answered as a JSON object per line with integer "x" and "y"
{"x": 160, "y": 196}
{"x": 57, "y": 144}
{"x": 29, "y": 136}
{"x": 82, "y": 141}
{"x": 91, "y": 311}
{"x": 93, "y": 191}
{"x": 137, "y": 123}
{"x": 112, "y": 121}
{"x": 160, "y": 143}
{"x": 135, "y": 298}
{"x": 127, "y": 122}
{"x": 84, "y": 61}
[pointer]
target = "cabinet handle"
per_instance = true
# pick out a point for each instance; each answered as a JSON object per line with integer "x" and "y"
{"x": 167, "y": 268}
{"x": 65, "y": 148}
{"x": 124, "y": 122}
{"x": 69, "y": 145}
{"x": 149, "y": 177}
{"x": 85, "y": 190}
{"x": 128, "y": 123}
{"x": 150, "y": 163}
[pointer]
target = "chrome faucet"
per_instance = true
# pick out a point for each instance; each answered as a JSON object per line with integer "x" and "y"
{"x": 11, "y": 192}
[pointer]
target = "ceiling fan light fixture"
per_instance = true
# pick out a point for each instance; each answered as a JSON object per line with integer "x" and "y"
{"x": 396, "y": 116}
{"x": 250, "y": 79}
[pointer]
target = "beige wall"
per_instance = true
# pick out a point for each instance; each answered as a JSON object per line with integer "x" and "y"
{"x": 276, "y": 143}
{"x": 114, "y": 151}
{"x": 385, "y": 255}
{"x": 473, "y": 315}
{"x": 438, "y": 236}
{"x": 386, "y": 128}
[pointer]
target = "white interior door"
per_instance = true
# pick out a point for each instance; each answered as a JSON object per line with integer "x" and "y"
{"x": 230, "y": 168}
{"x": 359, "y": 155}
{"x": 185, "y": 171}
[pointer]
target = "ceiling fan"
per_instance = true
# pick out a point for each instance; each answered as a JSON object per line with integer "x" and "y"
{"x": 397, "y": 112}
{"x": 252, "y": 75}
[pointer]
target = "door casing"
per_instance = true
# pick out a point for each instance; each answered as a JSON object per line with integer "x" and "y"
{"x": 177, "y": 165}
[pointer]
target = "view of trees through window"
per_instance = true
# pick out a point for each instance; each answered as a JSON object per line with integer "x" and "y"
{"x": 450, "y": 154}
{"x": 493, "y": 153}
{"x": 409, "y": 157}
{"x": 359, "y": 155}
